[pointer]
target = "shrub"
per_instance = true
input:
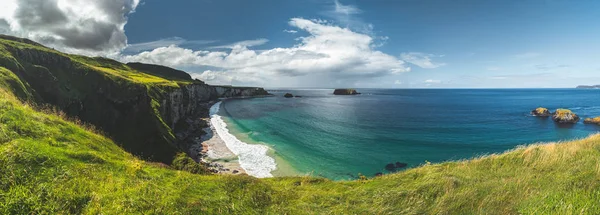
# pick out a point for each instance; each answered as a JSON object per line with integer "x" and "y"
{"x": 183, "y": 162}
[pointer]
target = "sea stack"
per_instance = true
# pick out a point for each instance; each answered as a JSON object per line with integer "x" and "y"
{"x": 345, "y": 92}
{"x": 565, "y": 116}
{"x": 288, "y": 95}
{"x": 541, "y": 112}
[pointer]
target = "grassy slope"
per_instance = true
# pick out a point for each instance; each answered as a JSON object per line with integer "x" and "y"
{"x": 70, "y": 81}
{"x": 51, "y": 165}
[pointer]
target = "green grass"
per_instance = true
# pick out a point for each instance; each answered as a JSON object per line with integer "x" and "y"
{"x": 98, "y": 90}
{"x": 54, "y": 166}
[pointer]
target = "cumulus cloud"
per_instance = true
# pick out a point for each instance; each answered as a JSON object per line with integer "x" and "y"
{"x": 421, "y": 59}
{"x": 79, "y": 26}
{"x": 329, "y": 51}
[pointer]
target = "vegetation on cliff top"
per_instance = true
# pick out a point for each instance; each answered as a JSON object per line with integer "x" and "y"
{"x": 50, "y": 164}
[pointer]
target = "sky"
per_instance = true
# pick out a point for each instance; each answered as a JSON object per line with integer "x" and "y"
{"x": 331, "y": 43}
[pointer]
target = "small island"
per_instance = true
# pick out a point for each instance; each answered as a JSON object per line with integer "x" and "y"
{"x": 345, "y": 92}
{"x": 595, "y": 120}
{"x": 565, "y": 116}
{"x": 541, "y": 112}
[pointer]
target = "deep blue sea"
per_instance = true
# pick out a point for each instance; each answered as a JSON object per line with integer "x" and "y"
{"x": 340, "y": 136}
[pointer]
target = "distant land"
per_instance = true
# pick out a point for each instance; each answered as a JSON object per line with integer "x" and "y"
{"x": 588, "y": 87}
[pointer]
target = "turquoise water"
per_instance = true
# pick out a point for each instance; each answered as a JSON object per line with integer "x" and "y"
{"x": 340, "y": 136}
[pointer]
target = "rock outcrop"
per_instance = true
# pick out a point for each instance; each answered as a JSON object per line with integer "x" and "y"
{"x": 541, "y": 112}
{"x": 345, "y": 92}
{"x": 395, "y": 166}
{"x": 288, "y": 95}
{"x": 595, "y": 120}
{"x": 230, "y": 91}
{"x": 565, "y": 116}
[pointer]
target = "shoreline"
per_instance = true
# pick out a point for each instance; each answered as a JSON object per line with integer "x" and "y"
{"x": 229, "y": 155}
{"x": 216, "y": 154}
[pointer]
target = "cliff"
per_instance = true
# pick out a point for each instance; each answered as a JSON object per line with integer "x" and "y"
{"x": 141, "y": 106}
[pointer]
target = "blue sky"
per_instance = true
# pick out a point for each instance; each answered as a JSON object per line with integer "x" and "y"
{"x": 350, "y": 43}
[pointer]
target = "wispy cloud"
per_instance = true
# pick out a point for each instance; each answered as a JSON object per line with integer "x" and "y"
{"x": 177, "y": 41}
{"x": 245, "y": 43}
{"x": 523, "y": 77}
{"x": 346, "y": 9}
{"x": 422, "y": 60}
{"x": 547, "y": 67}
{"x": 432, "y": 81}
{"x": 290, "y": 31}
{"x": 527, "y": 55}
{"x": 493, "y": 68}
{"x": 348, "y": 15}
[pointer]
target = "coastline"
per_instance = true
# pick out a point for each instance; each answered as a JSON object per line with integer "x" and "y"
{"x": 229, "y": 155}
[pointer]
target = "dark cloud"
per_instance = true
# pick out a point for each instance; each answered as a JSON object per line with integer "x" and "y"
{"x": 79, "y": 26}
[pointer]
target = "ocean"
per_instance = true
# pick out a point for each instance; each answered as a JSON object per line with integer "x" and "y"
{"x": 338, "y": 137}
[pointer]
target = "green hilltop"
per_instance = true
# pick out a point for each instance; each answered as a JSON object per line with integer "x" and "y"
{"x": 55, "y": 158}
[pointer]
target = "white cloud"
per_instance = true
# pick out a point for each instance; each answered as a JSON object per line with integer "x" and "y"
{"x": 347, "y": 15}
{"x": 346, "y": 9}
{"x": 290, "y": 31}
{"x": 245, "y": 43}
{"x": 547, "y": 67}
{"x": 138, "y": 47}
{"x": 330, "y": 52}
{"x": 76, "y": 26}
{"x": 431, "y": 81}
{"x": 421, "y": 59}
{"x": 397, "y": 82}
{"x": 527, "y": 55}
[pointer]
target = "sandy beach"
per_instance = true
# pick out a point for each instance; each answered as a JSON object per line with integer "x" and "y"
{"x": 217, "y": 154}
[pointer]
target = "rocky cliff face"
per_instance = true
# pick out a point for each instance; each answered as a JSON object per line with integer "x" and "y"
{"x": 150, "y": 120}
{"x": 182, "y": 109}
{"x": 228, "y": 91}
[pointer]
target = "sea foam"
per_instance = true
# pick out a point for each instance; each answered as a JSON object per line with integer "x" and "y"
{"x": 253, "y": 158}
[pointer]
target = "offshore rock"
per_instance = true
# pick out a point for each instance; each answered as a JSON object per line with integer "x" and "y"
{"x": 345, "y": 92}
{"x": 565, "y": 116}
{"x": 595, "y": 120}
{"x": 541, "y": 112}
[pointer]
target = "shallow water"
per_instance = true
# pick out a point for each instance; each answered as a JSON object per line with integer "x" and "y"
{"x": 340, "y": 136}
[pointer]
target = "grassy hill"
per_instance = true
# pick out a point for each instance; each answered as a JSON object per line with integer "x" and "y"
{"x": 51, "y": 163}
